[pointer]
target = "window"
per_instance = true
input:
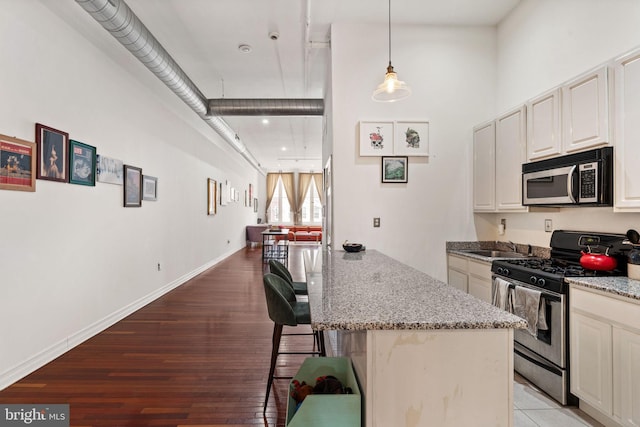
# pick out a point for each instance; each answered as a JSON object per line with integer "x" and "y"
{"x": 311, "y": 207}
{"x": 280, "y": 210}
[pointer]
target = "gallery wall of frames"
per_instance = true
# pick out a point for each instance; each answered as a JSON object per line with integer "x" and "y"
{"x": 55, "y": 157}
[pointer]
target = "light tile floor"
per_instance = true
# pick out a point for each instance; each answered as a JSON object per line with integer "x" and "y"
{"x": 533, "y": 408}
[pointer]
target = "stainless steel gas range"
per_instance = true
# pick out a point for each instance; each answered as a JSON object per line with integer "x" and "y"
{"x": 541, "y": 354}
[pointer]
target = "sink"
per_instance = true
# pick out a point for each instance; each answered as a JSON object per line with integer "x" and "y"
{"x": 496, "y": 254}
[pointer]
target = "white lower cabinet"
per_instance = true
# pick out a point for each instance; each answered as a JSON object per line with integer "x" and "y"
{"x": 480, "y": 280}
{"x": 457, "y": 272}
{"x": 591, "y": 367}
{"x": 605, "y": 354}
{"x": 458, "y": 279}
{"x": 471, "y": 276}
{"x": 626, "y": 376}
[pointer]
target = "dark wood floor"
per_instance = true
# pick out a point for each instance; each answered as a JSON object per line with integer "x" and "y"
{"x": 198, "y": 356}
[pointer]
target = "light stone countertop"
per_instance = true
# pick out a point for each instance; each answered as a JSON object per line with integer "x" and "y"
{"x": 622, "y": 286}
{"x": 462, "y": 248}
{"x": 371, "y": 291}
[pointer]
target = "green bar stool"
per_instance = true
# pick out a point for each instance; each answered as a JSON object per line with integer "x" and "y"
{"x": 276, "y": 267}
{"x": 284, "y": 310}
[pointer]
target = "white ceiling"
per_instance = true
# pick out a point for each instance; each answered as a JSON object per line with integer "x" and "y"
{"x": 203, "y": 37}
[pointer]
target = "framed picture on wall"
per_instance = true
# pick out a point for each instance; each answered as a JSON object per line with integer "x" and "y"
{"x": 132, "y": 187}
{"x": 212, "y": 197}
{"x": 224, "y": 193}
{"x": 108, "y": 170}
{"x": 53, "y": 152}
{"x": 17, "y": 164}
{"x": 82, "y": 163}
{"x": 411, "y": 138}
{"x": 376, "y": 138}
{"x": 255, "y": 204}
{"x": 149, "y": 188}
{"x": 395, "y": 169}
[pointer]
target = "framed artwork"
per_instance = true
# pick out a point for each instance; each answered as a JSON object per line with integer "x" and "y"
{"x": 212, "y": 197}
{"x": 108, "y": 170}
{"x": 255, "y": 204}
{"x": 246, "y": 199}
{"x": 82, "y": 162}
{"x": 376, "y": 138}
{"x": 149, "y": 188}
{"x": 132, "y": 187}
{"x": 250, "y": 194}
{"x": 395, "y": 169}
{"x": 224, "y": 193}
{"x": 411, "y": 139}
{"x": 17, "y": 164}
{"x": 53, "y": 152}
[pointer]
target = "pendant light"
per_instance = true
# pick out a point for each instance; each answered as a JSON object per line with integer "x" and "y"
{"x": 391, "y": 89}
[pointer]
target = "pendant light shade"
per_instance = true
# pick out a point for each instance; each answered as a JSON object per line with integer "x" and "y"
{"x": 391, "y": 89}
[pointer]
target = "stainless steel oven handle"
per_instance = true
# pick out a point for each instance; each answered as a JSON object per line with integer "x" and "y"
{"x": 548, "y": 295}
{"x": 572, "y": 172}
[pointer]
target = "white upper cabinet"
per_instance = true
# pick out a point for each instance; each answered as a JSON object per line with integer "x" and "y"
{"x": 484, "y": 166}
{"x": 585, "y": 111}
{"x": 499, "y": 149}
{"x": 543, "y": 126}
{"x": 511, "y": 153}
{"x": 627, "y": 132}
{"x": 571, "y": 118}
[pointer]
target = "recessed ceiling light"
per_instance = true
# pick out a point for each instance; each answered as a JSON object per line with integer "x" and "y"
{"x": 265, "y": 121}
{"x": 284, "y": 148}
{"x": 244, "y": 48}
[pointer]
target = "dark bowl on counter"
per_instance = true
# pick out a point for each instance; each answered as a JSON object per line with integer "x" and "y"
{"x": 352, "y": 247}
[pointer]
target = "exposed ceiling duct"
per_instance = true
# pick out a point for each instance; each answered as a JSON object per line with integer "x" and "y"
{"x": 117, "y": 18}
{"x": 266, "y": 107}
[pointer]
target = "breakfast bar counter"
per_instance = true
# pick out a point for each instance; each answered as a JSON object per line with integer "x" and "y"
{"x": 424, "y": 352}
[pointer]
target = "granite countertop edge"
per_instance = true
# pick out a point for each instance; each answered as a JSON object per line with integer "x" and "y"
{"x": 430, "y": 326}
{"x": 621, "y": 286}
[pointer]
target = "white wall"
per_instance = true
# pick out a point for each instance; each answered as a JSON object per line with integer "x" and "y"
{"x": 542, "y": 44}
{"x": 452, "y": 74}
{"x": 72, "y": 259}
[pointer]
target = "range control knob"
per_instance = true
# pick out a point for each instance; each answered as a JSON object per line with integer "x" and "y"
{"x": 542, "y": 282}
{"x": 503, "y": 271}
{"x": 533, "y": 280}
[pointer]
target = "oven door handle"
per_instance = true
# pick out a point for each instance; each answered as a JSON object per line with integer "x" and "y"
{"x": 545, "y": 294}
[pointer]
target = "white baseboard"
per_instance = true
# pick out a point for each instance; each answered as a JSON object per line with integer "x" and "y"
{"x": 45, "y": 356}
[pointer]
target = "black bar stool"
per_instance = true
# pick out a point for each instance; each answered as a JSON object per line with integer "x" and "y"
{"x": 284, "y": 310}
{"x": 276, "y": 267}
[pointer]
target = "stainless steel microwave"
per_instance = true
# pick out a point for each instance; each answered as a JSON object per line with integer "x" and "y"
{"x": 580, "y": 179}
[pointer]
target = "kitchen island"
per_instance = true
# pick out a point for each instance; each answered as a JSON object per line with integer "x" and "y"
{"x": 425, "y": 353}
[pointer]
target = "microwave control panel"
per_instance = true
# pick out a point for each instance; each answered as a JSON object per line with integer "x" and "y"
{"x": 588, "y": 182}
